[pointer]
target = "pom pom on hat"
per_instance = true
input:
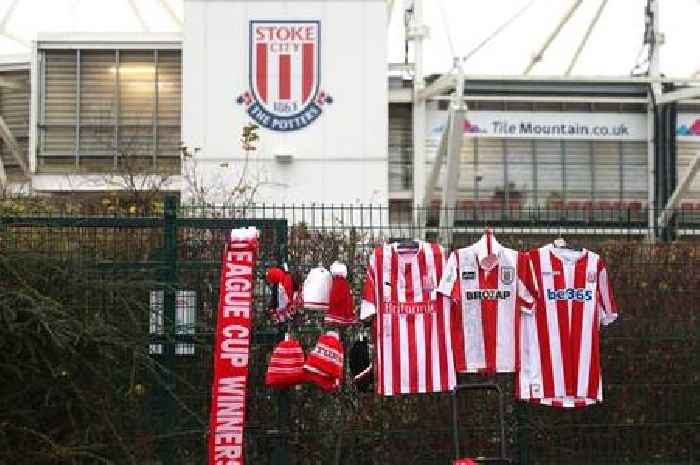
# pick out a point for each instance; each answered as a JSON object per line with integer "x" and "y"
{"x": 339, "y": 269}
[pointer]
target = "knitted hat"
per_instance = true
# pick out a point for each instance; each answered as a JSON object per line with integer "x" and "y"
{"x": 283, "y": 293}
{"x": 326, "y": 383}
{"x": 361, "y": 366}
{"x": 340, "y": 304}
{"x": 326, "y": 359}
{"x": 317, "y": 288}
{"x": 466, "y": 461}
{"x": 286, "y": 367}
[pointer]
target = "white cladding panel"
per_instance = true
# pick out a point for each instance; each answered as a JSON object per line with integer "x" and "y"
{"x": 339, "y": 157}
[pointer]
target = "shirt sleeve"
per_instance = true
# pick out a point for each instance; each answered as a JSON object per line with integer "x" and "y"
{"x": 368, "y": 307}
{"x": 449, "y": 283}
{"x": 608, "y": 306}
{"x": 526, "y": 289}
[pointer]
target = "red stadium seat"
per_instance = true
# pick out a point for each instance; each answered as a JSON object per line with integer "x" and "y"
{"x": 573, "y": 205}
{"x": 634, "y": 206}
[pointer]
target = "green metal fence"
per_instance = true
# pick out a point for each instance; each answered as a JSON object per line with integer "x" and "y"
{"x": 650, "y": 357}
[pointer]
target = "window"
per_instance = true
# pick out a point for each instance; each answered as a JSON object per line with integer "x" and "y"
{"x": 14, "y": 109}
{"x": 400, "y": 147}
{"x": 185, "y": 307}
{"x": 106, "y": 109}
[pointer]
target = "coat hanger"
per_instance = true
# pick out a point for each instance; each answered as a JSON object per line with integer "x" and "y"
{"x": 560, "y": 243}
{"x": 408, "y": 244}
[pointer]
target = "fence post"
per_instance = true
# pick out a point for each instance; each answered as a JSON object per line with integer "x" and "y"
{"x": 169, "y": 282}
{"x": 523, "y": 434}
{"x": 279, "y": 452}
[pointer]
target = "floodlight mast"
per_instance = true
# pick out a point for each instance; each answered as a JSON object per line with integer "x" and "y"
{"x": 416, "y": 31}
{"x": 654, "y": 39}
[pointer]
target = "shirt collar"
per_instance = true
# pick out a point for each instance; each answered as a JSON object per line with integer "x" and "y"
{"x": 482, "y": 250}
{"x": 407, "y": 257}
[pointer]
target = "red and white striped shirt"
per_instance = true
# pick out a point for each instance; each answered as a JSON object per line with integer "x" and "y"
{"x": 413, "y": 350}
{"x": 487, "y": 305}
{"x": 560, "y": 347}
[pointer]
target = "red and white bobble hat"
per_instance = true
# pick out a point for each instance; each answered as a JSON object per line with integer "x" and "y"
{"x": 340, "y": 304}
{"x": 317, "y": 288}
{"x": 324, "y": 365}
{"x": 286, "y": 367}
{"x": 282, "y": 306}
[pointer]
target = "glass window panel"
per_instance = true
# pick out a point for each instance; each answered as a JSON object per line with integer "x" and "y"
{"x": 59, "y": 141}
{"x": 578, "y": 167}
{"x": 59, "y": 98}
{"x": 136, "y": 88}
{"x": 169, "y": 142}
{"x": 549, "y": 179}
{"x": 135, "y": 142}
{"x": 686, "y": 152}
{"x": 606, "y": 152}
{"x": 634, "y": 153}
{"x": 98, "y": 75}
{"x": 169, "y": 87}
{"x": 14, "y": 108}
{"x": 489, "y": 150}
{"x": 606, "y": 167}
{"x": 96, "y": 141}
{"x": 490, "y": 178}
{"x": 547, "y": 151}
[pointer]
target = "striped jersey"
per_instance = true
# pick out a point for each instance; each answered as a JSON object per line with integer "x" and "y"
{"x": 413, "y": 350}
{"x": 487, "y": 304}
{"x": 560, "y": 348}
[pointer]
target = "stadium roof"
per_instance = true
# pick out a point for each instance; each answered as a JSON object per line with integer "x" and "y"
{"x": 456, "y": 28}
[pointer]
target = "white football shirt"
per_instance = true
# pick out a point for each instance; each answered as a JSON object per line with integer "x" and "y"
{"x": 488, "y": 299}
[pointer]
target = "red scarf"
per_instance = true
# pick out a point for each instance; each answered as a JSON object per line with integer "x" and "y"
{"x": 231, "y": 349}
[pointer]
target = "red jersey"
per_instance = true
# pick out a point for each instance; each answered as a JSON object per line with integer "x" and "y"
{"x": 560, "y": 348}
{"x": 412, "y": 327}
{"x": 488, "y": 301}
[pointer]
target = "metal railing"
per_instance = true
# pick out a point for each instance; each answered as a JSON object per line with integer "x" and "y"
{"x": 650, "y": 357}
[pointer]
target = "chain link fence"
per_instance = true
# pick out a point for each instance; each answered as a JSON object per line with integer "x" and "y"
{"x": 151, "y": 284}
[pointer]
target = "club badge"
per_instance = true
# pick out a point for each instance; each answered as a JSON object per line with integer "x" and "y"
{"x": 507, "y": 275}
{"x": 285, "y": 71}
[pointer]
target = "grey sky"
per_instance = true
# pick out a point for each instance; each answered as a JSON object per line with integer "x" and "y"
{"x": 612, "y": 49}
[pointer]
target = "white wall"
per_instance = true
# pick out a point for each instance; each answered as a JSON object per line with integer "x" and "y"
{"x": 342, "y": 155}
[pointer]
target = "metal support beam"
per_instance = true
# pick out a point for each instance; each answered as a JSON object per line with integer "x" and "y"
{"x": 537, "y": 57}
{"x": 678, "y": 193}
{"x": 171, "y": 12}
{"x": 3, "y": 175}
{"x": 9, "y": 140}
{"x": 444, "y": 83}
{"x": 497, "y": 31}
{"x": 454, "y": 156}
{"x": 681, "y": 94}
{"x": 389, "y": 11}
{"x": 437, "y": 165}
{"x": 139, "y": 16}
{"x": 419, "y": 110}
{"x": 586, "y": 36}
{"x": 651, "y": 165}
